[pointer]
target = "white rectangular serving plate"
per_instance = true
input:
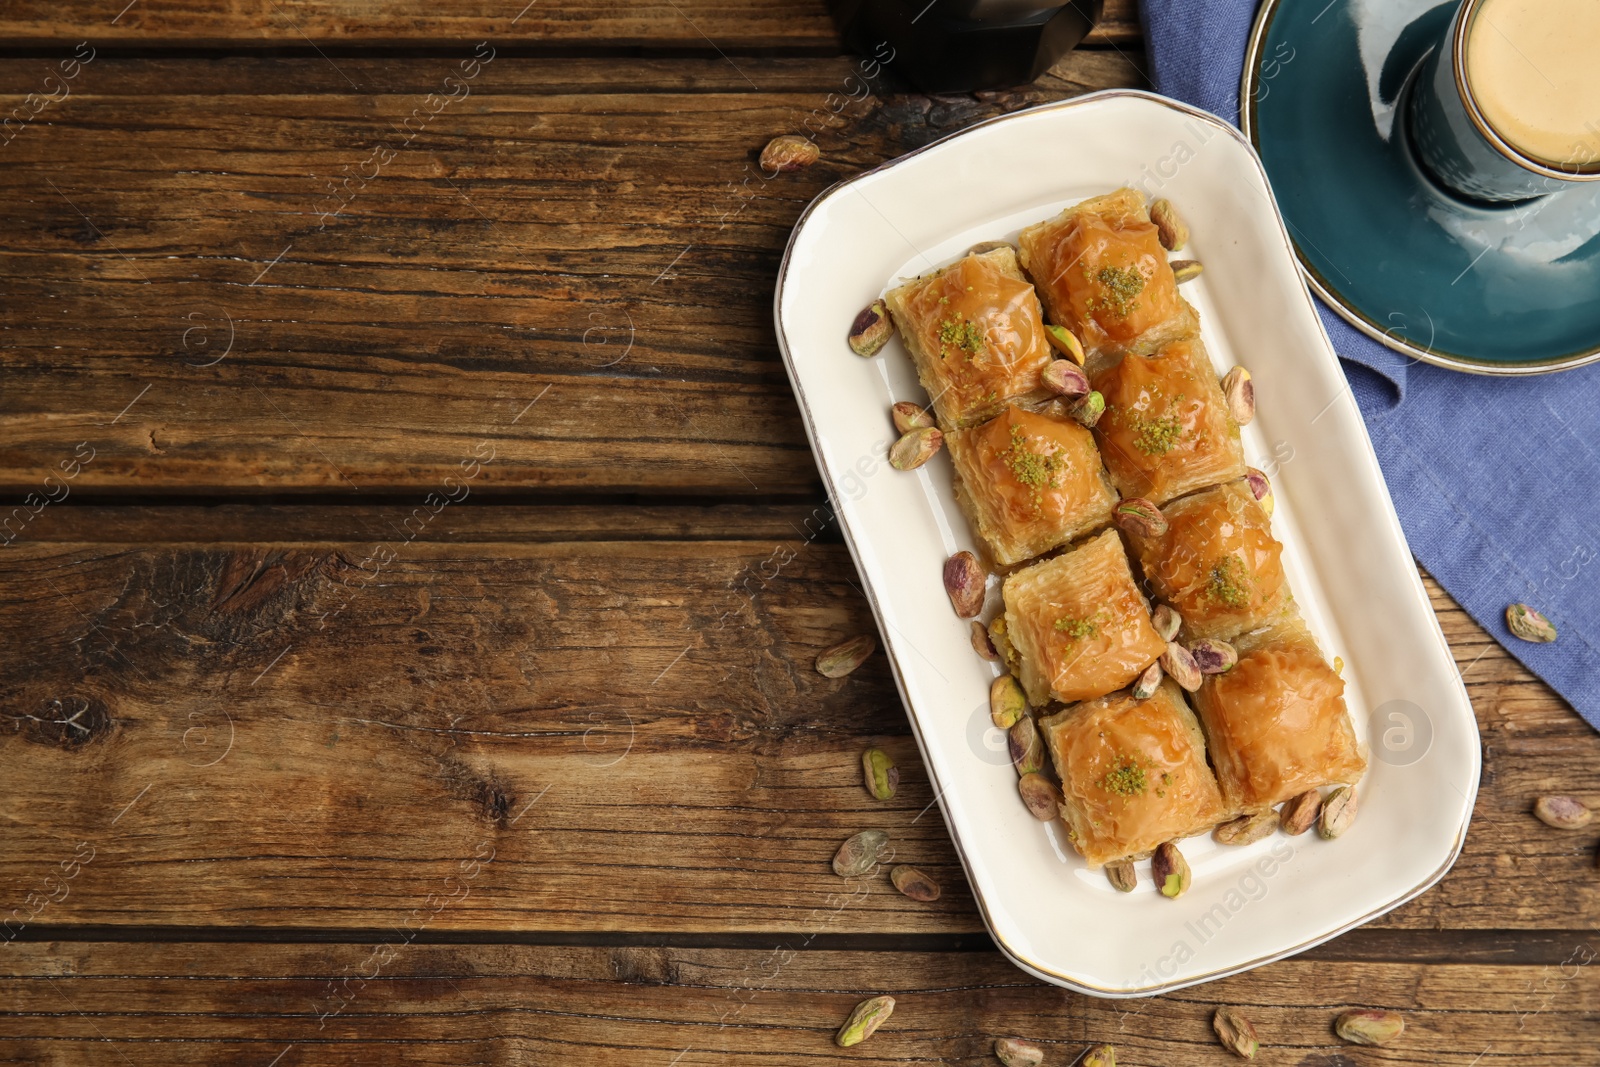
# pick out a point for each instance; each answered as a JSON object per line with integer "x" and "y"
{"x": 1344, "y": 550}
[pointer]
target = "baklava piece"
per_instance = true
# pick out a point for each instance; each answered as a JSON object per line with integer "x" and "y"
{"x": 1077, "y": 625}
{"x": 976, "y": 334}
{"x": 1030, "y": 481}
{"x": 1133, "y": 774}
{"x": 1166, "y": 430}
{"x": 1276, "y": 722}
{"x": 1217, "y": 564}
{"x": 1102, "y": 273}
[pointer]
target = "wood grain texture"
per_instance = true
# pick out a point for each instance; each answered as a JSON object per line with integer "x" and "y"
{"x": 733, "y": 25}
{"x": 297, "y": 734}
{"x": 67, "y": 1003}
{"x": 217, "y": 270}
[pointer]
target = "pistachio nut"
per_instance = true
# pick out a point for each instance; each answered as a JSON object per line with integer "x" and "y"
{"x": 909, "y": 416}
{"x": 871, "y": 330}
{"x": 1247, "y": 829}
{"x": 1338, "y": 812}
{"x": 864, "y": 1021}
{"x": 1213, "y": 656}
{"x": 914, "y": 883}
{"x": 1169, "y": 226}
{"x": 1002, "y": 643}
{"x": 1138, "y": 517}
{"x": 859, "y": 854}
{"x": 988, "y": 246}
{"x": 846, "y": 656}
{"x": 1027, "y": 751}
{"x": 1065, "y": 377}
{"x": 1237, "y": 1034}
{"x": 1181, "y": 667}
{"x": 1041, "y": 796}
{"x": 1169, "y": 870}
{"x": 981, "y": 643}
{"x": 1066, "y": 342}
{"x": 789, "y": 152}
{"x": 1184, "y": 270}
{"x": 1369, "y": 1026}
{"x": 964, "y": 583}
{"x": 1015, "y": 1052}
{"x": 1087, "y": 409}
{"x": 1529, "y": 625}
{"x": 880, "y": 775}
{"x": 1299, "y": 814}
{"x": 1147, "y": 683}
{"x": 915, "y": 448}
{"x": 1338, "y": 665}
{"x": 1100, "y": 1056}
{"x": 1122, "y": 875}
{"x": 1240, "y": 392}
{"x": 1564, "y": 813}
{"x": 1007, "y": 704}
{"x": 1167, "y": 621}
{"x": 1260, "y": 488}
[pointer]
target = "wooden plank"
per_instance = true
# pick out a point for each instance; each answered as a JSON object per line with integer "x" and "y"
{"x": 206, "y": 293}
{"x": 698, "y": 24}
{"x": 298, "y": 734}
{"x": 359, "y": 1004}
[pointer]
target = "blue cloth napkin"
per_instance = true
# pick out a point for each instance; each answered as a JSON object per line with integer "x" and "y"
{"x": 1497, "y": 480}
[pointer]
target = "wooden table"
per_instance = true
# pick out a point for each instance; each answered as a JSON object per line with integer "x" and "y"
{"x": 414, "y": 565}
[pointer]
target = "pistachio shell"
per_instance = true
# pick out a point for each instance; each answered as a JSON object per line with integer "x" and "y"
{"x": 1122, "y": 875}
{"x": 914, "y": 448}
{"x": 1167, "y": 622}
{"x": 1338, "y": 812}
{"x": 1148, "y": 682}
{"x": 1170, "y": 870}
{"x": 1007, "y": 704}
{"x": 1529, "y": 625}
{"x": 1066, "y": 342}
{"x": 1027, "y": 751}
{"x": 1065, "y": 377}
{"x": 864, "y": 1021}
{"x": 1184, "y": 270}
{"x": 1087, "y": 409}
{"x": 1213, "y": 656}
{"x": 1015, "y": 1052}
{"x": 789, "y": 152}
{"x": 908, "y": 416}
{"x": 914, "y": 883}
{"x": 1240, "y": 392}
{"x": 1181, "y": 667}
{"x": 1237, "y": 1034}
{"x": 879, "y": 773}
{"x": 981, "y": 644}
{"x": 1299, "y": 814}
{"x": 846, "y": 656}
{"x": 1041, "y": 796}
{"x": 1247, "y": 829}
{"x": 964, "y": 583}
{"x": 1139, "y": 517}
{"x": 1563, "y": 813}
{"x": 1170, "y": 229}
{"x": 1367, "y": 1026}
{"x": 871, "y": 329}
{"x": 859, "y": 854}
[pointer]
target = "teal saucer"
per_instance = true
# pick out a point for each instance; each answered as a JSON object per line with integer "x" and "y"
{"x": 1491, "y": 290}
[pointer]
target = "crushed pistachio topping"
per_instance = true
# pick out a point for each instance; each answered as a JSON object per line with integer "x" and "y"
{"x": 1229, "y": 582}
{"x": 961, "y": 334}
{"x": 1125, "y": 779}
{"x": 1077, "y": 629}
{"x": 1036, "y": 470}
{"x": 1121, "y": 287}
